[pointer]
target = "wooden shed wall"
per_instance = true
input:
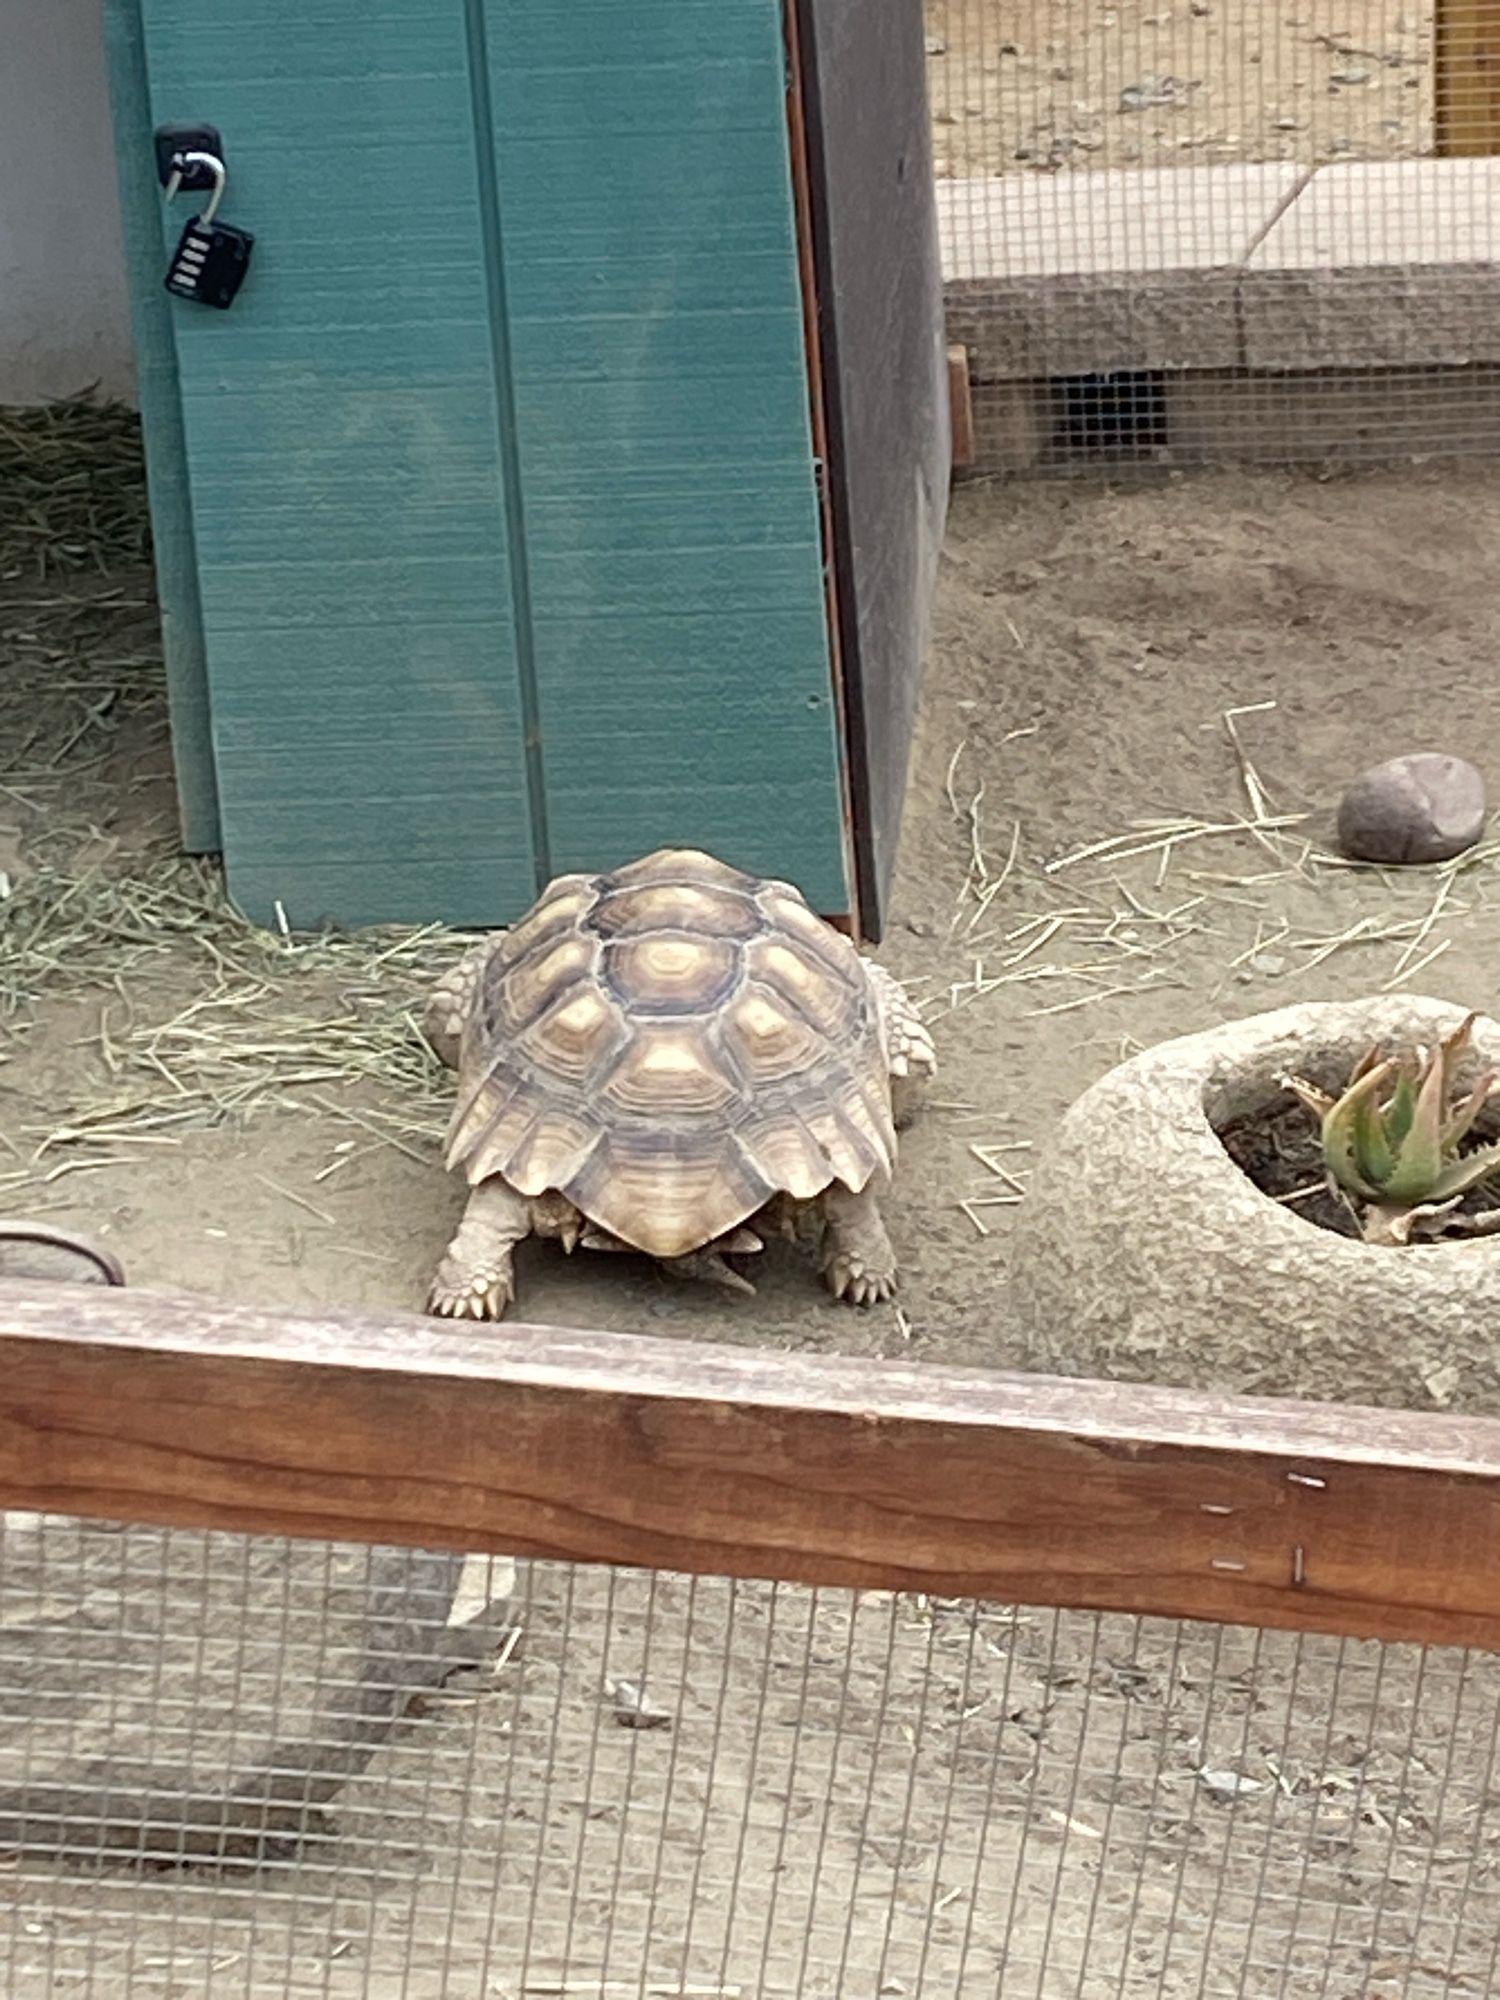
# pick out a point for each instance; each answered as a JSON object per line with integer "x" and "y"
{"x": 500, "y": 469}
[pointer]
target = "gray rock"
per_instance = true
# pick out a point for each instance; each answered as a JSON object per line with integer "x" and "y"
{"x": 1143, "y": 1253}
{"x": 188, "y": 1696}
{"x": 1426, "y": 807}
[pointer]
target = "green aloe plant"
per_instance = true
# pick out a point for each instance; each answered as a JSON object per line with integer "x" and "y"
{"x": 1392, "y": 1140}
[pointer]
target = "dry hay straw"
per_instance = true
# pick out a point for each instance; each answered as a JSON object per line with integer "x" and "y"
{"x": 1189, "y": 900}
{"x": 1244, "y": 897}
{"x": 82, "y": 678}
{"x": 200, "y": 1020}
{"x": 192, "y": 1017}
{"x": 74, "y": 490}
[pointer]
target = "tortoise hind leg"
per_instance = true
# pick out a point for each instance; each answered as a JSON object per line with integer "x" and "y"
{"x": 910, "y": 1055}
{"x": 477, "y": 1279}
{"x": 858, "y": 1262}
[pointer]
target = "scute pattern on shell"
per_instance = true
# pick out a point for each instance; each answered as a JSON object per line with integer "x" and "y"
{"x": 670, "y": 1046}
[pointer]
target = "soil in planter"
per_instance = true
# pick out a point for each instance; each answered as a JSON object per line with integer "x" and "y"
{"x": 1280, "y": 1149}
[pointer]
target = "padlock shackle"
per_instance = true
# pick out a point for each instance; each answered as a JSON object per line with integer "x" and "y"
{"x": 215, "y": 166}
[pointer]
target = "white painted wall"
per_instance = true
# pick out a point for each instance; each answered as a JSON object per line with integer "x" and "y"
{"x": 64, "y": 318}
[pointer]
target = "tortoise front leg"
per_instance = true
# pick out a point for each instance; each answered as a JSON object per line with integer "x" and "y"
{"x": 476, "y": 1279}
{"x": 858, "y": 1262}
{"x": 452, "y": 1001}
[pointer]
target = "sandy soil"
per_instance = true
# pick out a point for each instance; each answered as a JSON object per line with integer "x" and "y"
{"x": 980, "y": 1785}
{"x": 1121, "y": 83}
{"x": 1088, "y": 643}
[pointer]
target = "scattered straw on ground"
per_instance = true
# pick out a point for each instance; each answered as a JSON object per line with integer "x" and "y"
{"x": 1186, "y": 902}
{"x": 74, "y": 494}
{"x": 1129, "y": 911}
{"x": 198, "y": 1021}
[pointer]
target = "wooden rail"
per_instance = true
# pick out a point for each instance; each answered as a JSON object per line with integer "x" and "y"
{"x": 1466, "y": 89}
{"x": 728, "y": 1461}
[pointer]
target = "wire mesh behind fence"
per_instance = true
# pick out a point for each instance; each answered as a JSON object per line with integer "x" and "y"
{"x": 235, "y": 1766}
{"x": 1188, "y": 231}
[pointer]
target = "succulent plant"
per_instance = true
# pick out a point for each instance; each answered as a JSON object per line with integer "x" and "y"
{"x": 1392, "y": 1140}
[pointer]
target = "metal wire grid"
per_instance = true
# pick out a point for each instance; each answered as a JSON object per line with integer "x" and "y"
{"x": 1204, "y": 231}
{"x": 233, "y": 1766}
{"x": 1038, "y": 85}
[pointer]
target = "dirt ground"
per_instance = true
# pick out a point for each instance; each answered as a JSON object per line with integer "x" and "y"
{"x": 1068, "y": 84}
{"x": 936, "y": 1793}
{"x": 1088, "y": 644}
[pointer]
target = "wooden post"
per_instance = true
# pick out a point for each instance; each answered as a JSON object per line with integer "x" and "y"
{"x": 1467, "y": 78}
{"x": 961, "y": 409}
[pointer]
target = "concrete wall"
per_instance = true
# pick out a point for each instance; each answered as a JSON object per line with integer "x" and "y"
{"x": 64, "y": 320}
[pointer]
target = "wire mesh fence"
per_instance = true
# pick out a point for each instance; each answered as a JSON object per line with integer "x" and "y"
{"x": 1199, "y": 231}
{"x": 231, "y": 1765}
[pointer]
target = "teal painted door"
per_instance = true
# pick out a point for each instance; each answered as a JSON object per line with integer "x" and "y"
{"x": 499, "y": 470}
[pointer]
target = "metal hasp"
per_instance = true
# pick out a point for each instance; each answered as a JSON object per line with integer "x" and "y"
{"x": 190, "y": 170}
{"x": 174, "y": 142}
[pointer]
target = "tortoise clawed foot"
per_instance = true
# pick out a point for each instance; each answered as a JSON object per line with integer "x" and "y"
{"x": 452, "y": 1002}
{"x": 477, "y": 1277}
{"x": 470, "y": 1293}
{"x": 907, "y": 1095}
{"x": 849, "y": 1278}
{"x": 911, "y": 1058}
{"x": 859, "y": 1264}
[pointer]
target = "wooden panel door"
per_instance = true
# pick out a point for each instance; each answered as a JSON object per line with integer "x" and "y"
{"x": 674, "y": 550}
{"x": 500, "y": 470}
{"x": 350, "y": 482}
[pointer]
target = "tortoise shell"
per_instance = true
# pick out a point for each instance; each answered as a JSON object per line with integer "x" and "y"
{"x": 670, "y": 1046}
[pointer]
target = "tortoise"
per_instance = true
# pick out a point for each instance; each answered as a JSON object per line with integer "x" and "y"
{"x": 653, "y": 1058}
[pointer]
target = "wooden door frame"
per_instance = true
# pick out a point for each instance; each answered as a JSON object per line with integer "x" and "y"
{"x": 173, "y": 545}
{"x": 871, "y": 638}
{"x": 820, "y": 336}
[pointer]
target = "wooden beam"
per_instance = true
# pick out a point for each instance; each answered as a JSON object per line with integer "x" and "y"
{"x": 806, "y": 209}
{"x": 960, "y": 408}
{"x": 728, "y": 1461}
{"x": 1466, "y": 85}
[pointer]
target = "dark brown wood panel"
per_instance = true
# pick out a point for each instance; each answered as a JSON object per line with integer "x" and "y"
{"x": 861, "y": 72}
{"x": 724, "y": 1461}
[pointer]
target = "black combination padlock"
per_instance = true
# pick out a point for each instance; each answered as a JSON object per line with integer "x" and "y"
{"x": 212, "y": 257}
{"x": 210, "y": 263}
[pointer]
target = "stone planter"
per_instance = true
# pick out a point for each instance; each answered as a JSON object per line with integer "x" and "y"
{"x": 1143, "y": 1253}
